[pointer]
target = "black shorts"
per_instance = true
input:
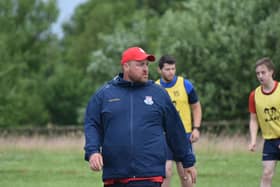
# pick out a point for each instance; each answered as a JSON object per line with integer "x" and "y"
{"x": 271, "y": 149}
{"x": 136, "y": 184}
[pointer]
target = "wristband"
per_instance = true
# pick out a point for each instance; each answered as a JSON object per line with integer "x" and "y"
{"x": 197, "y": 128}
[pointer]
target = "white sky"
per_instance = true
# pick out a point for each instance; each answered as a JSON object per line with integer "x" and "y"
{"x": 66, "y": 9}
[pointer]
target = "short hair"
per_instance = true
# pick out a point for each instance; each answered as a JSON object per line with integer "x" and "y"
{"x": 267, "y": 62}
{"x": 166, "y": 59}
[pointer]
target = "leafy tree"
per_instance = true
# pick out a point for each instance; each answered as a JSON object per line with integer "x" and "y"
{"x": 91, "y": 19}
{"x": 106, "y": 63}
{"x": 64, "y": 95}
{"x": 217, "y": 45}
{"x": 24, "y": 52}
{"x": 44, "y": 79}
{"x": 97, "y": 18}
{"x": 97, "y": 34}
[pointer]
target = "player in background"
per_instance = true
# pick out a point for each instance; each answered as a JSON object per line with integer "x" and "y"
{"x": 185, "y": 99}
{"x": 264, "y": 108}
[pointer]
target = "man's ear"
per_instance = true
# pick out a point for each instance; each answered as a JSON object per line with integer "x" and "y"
{"x": 158, "y": 70}
{"x": 125, "y": 66}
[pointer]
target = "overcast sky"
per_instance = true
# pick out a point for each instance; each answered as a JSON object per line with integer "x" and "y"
{"x": 66, "y": 9}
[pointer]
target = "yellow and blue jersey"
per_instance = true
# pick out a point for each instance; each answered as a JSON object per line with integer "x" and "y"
{"x": 182, "y": 94}
{"x": 267, "y": 107}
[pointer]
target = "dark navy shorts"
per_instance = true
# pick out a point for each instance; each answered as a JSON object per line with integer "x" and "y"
{"x": 271, "y": 149}
{"x": 169, "y": 152}
{"x": 136, "y": 184}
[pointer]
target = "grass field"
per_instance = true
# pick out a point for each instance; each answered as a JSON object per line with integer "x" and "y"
{"x": 58, "y": 162}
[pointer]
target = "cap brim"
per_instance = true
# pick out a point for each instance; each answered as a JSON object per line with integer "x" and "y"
{"x": 151, "y": 58}
{"x": 141, "y": 57}
{"x": 146, "y": 57}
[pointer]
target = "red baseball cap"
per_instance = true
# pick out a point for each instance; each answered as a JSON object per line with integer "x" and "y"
{"x": 136, "y": 53}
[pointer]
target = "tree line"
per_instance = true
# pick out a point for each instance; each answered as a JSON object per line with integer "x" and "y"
{"x": 46, "y": 79}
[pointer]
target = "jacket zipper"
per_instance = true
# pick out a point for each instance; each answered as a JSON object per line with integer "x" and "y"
{"x": 131, "y": 131}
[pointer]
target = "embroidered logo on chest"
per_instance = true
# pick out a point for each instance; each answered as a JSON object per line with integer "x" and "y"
{"x": 149, "y": 100}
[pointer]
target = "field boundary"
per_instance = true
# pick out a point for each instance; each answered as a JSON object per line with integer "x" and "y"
{"x": 213, "y": 127}
{"x": 43, "y": 131}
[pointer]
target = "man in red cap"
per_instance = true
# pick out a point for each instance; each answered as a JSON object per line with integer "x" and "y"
{"x": 135, "y": 64}
{"x": 127, "y": 124}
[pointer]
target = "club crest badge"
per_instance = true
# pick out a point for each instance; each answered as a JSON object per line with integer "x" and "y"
{"x": 149, "y": 100}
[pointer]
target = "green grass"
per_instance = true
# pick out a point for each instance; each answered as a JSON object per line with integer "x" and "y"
{"x": 228, "y": 169}
{"x": 55, "y": 164}
{"x": 45, "y": 169}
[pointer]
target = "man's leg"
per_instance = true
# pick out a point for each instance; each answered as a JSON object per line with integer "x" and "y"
{"x": 268, "y": 172}
{"x": 180, "y": 170}
{"x": 168, "y": 173}
{"x": 184, "y": 182}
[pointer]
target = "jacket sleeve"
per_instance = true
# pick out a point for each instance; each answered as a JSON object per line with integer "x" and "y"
{"x": 176, "y": 136}
{"x": 92, "y": 127}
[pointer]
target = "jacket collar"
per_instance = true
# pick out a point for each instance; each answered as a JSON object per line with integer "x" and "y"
{"x": 119, "y": 81}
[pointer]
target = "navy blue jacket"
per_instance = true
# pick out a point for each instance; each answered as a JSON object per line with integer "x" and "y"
{"x": 129, "y": 123}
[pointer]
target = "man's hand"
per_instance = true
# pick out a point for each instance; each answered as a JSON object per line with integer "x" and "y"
{"x": 195, "y": 135}
{"x": 96, "y": 162}
{"x": 190, "y": 174}
{"x": 252, "y": 147}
